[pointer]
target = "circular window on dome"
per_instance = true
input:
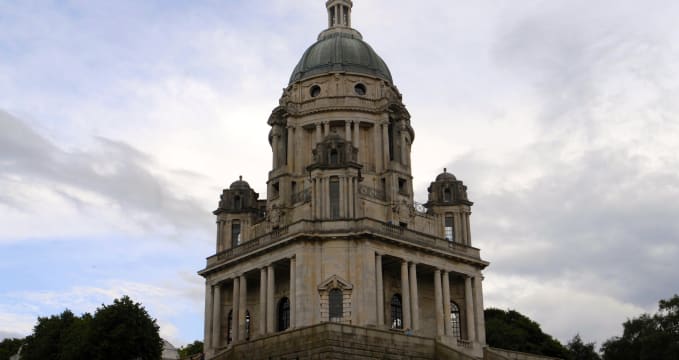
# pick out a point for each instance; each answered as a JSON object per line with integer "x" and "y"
{"x": 315, "y": 91}
{"x": 360, "y": 89}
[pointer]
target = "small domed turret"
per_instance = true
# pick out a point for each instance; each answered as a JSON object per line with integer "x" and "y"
{"x": 447, "y": 190}
{"x": 446, "y": 176}
{"x": 240, "y": 184}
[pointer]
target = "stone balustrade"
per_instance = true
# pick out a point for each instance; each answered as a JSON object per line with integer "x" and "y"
{"x": 344, "y": 227}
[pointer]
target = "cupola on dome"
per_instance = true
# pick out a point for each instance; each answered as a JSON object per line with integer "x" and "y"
{"x": 239, "y": 184}
{"x": 340, "y": 49}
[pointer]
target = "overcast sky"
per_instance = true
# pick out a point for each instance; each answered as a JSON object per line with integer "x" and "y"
{"x": 121, "y": 121}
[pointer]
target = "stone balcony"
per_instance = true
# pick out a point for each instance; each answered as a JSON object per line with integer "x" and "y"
{"x": 265, "y": 237}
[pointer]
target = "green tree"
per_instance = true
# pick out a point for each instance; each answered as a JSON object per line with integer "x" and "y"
{"x": 578, "y": 350}
{"x": 9, "y": 347}
{"x": 46, "y": 341}
{"x": 648, "y": 336}
{"x": 512, "y": 330}
{"x": 124, "y": 330}
{"x": 194, "y": 348}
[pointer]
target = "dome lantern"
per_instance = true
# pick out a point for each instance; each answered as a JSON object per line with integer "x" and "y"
{"x": 339, "y": 13}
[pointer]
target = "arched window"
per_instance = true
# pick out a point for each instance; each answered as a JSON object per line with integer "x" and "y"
{"x": 449, "y": 234}
{"x": 334, "y": 198}
{"x": 247, "y": 325}
{"x": 447, "y": 195}
{"x": 333, "y": 157}
{"x": 335, "y": 306}
{"x": 229, "y": 328}
{"x": 237, "y": 202}
{"x": 396, "y": 312}
{"x": 455, "y": 319}
{"x": 235, "y": 233}
{"x": 283, "y": 314}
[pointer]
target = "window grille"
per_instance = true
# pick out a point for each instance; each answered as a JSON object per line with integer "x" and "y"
{"x": 396, "y": 312}
{"x": 336, "y": 307}
{"x": 283, "y": 314}
{"x": 455, "y": 319}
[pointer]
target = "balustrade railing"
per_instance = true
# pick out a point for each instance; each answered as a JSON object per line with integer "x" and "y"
{"x": 366, "y": 225}
{"x": 465, "y": 343}
{"x": 302, "y": 196}
{"x": 372, "y": 192}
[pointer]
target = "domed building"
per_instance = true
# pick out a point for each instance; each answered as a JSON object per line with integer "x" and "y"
{"x": 339, "y": 262}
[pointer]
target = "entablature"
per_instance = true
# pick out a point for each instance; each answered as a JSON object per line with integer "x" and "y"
{"x": 349, "y": 229}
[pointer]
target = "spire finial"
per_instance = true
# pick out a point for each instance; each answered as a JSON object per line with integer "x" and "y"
{"x": 240, "y": 177}
{"x": 339, "y": 13}
{"x": 445, "y": 170}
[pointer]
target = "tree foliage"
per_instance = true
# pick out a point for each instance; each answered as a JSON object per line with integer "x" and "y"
{"x": 648, "y": 336}
{"x": 122, "y": 330}
{"x": 579, "y": 350}
{"x": 512, "y": 330}
{"x": 9, "y": 347}
{"x": 194, "y": 348}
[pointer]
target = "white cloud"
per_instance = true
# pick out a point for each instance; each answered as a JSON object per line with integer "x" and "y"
{"x": 169, "y": 302}
{"x": 562, "y": 307}
{"x": 559, "y": 116}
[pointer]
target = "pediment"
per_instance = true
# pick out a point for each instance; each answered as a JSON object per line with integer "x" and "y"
{"x": 335, "y": 282}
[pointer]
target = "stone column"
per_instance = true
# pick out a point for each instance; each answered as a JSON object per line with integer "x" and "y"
{"x": 235, "y": 310}
{"x": 342, "y": 197}
{"x": 326, "y": 125}
{"x": 402, "y": 148}
{"x": 469, "y": 231}
{"x": 405, "y": 290}
{"x": 446, "y": 304}
{"x": 377, "y": 145}
{"x": 314, "y": 199}
{"x": 242, "y": 307}
{"x": 414, "y": 302}
{"x": 274, "y": 146}
{"x": 385, "y": 144}
{"x": 438, "y": 303}
{"x": 357, "y": 135}
{"x": 457, "y": 220}
{"x": 379, "y": 288}
{"x": 207, "y": 329}
{"x": 469, "y": 309}
{"x": 291, "y": 148}
{"x": 220, "y": 245}
{"x": 326, "y": 198}
{"x": 347, "y": 130}
{"x": 478, "y": 305}
{"x": 216, "y": 316}
{"x": 293, "y": 297}
{"x": 270, "y": 306}
{"x": 351, "y": 197}
{"x": 262, "y": 301}
{"x": 319, "y": 134}
{"x": 463, "y": 228}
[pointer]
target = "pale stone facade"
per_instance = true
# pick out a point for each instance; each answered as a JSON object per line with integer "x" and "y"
{"x": 339, "y": 237}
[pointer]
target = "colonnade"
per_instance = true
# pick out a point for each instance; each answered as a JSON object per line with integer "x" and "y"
{"x": 320, "y": 196}
{"x": 266, "y": 312}
{"x": 473, "y": 303}
{"x": 294, "y": 136}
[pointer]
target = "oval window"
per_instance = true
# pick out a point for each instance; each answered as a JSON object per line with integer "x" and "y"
{"x": 315, "y": 91}
{"x": 360, "y": 89}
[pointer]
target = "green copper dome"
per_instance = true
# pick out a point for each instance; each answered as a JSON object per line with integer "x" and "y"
{"x": 340, "y": 51}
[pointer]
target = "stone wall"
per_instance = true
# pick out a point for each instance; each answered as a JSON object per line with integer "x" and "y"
{"x": 502, "y": 354}
{"x": 339, "y": 341}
